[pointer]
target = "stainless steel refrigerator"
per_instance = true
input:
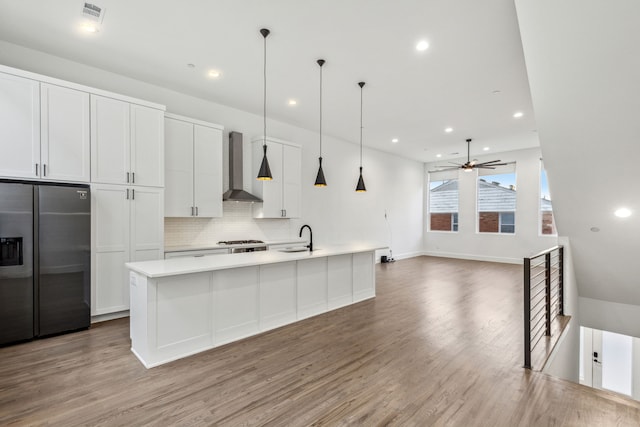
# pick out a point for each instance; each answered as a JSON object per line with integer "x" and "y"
{"x": 45, "y": 246}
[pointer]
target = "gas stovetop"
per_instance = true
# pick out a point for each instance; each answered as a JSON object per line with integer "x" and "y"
{"x": 239, "y": 242}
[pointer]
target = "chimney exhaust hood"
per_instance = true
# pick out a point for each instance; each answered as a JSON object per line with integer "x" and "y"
{"x": 236, "y": 193}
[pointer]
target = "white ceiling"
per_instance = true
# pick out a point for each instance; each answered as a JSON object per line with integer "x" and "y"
{"x": 475, "y": 49}
{"x": 584, "y": 71}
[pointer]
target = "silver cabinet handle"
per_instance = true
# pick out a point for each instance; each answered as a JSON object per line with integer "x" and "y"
{"x": 133, "y": 177}
{"x": 192, "y": 210}
{"x": 127, "y": 194}
{"x": 44, "y": 169}
{"x": 196, "y": 211}
{"x": 133, "y": 194}
{"x": 36, "y": 169}
{"x": 127, "y": 177}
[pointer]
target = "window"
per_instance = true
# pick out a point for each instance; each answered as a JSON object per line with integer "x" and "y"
{"x": 443, "y": 201}
{"x": 497, "y": 200}
{"x": 547, "y": 223}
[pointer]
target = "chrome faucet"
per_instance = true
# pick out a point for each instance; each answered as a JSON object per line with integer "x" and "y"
{"x": 310, "y": 245}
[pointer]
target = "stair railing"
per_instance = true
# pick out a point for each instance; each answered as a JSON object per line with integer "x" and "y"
{"x": 543, "y": 296}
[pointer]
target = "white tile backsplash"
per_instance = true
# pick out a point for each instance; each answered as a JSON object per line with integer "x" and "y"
{"x": 237, "y": 223}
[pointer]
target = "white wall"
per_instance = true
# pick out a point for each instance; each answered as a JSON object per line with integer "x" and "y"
{"x": 564, "y": 361}
{"x": 336, "y": 213}
{"x": 467, "y": 243}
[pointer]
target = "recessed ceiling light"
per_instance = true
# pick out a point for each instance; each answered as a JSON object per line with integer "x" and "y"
{"x": 394, "y": 140}
{"x": 485, "y": 149}
{"x": 214, "y": 74}
{"x": 448, "y": 130}
{"x": 518, "y": 114}
{"x": 422, "y": 45}
{"x": 89, "y": 28}
{"x": 292, "y": 102}
{"x": 622, "y": 213}
{"x": 438, "y": 155}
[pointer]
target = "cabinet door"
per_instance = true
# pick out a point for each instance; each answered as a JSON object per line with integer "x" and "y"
{"x": 110, "y": 145}
{"x": 110, "y": 236}
{"x": 270, "y": 191}
{"x": 291, "y": 177}
{"x": 20, "y": 126}
{"x": 65, "y": 144}
{"x": 208, "y": 171}
{"x": 178, "y": 168}
{"x": 147, "y": 146}
{"x": 147, "y": 223}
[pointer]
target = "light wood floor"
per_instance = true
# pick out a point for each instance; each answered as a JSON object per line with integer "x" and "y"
{"x": 440, "y": 345}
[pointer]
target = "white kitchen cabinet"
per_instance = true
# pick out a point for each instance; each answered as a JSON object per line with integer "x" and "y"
{"x": 193, "y": 168}
{"x": 127, "y": 143}
{"x": 281, "y": 195}
{"x": 65, "y": 144}
{"x": 236, "y": 303}
{"x": 20, "y": 126}
{"x": 127, "y": 225}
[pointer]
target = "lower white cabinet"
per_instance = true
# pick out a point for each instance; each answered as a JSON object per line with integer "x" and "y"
{"x": 127, "y": 224}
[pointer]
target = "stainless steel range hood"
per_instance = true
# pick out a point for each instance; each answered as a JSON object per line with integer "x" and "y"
{"x": 236, "y": 193}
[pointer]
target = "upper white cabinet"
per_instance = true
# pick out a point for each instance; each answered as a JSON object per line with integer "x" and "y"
{"x": 127, "y": 225}
{"x": 19, "y": 126}
{"x": 65, "y": 146}
{"x": 193, "y": 167}
{"x": 281, "y": 195}
{"x": 127, "y": 143}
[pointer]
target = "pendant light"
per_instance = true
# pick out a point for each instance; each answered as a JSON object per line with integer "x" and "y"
{"x": 264, "y": 174}
{"x": 320, "y": 181}
{"x": 360, "y": 188}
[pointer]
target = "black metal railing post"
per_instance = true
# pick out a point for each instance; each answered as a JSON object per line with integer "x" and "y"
{"x": 547, "y": 293}
{"x": 527, "y": 313}
{"x": 561, "y": 281}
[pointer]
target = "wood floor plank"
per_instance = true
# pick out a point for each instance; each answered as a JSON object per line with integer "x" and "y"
{"x": 441, "y": 344}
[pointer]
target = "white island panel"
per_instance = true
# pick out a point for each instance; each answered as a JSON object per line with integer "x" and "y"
{"x": 312, "y": 287}
{"x": 340, "y": 281}
{"x": 364, "y": 285}
{"x": 184, "y": 312}
{"x": 236, "y": 303}
{"x": 277, "y": 295}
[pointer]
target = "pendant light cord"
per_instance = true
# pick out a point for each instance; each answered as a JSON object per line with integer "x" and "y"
{"x": 361, "y": 126}
{"x": 264, "y": 94}
{"x": 321, "y": 109}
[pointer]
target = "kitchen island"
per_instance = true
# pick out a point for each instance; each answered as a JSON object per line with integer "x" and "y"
{"x": 183, "y": 306}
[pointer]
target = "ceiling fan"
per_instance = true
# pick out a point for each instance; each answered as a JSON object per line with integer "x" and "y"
{"x": 471, "y": 164}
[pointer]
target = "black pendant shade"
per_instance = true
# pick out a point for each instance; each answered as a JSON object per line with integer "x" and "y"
{"x": 320, "y": 181}
{"x": 360, "y": 188}
{"x": 264, "y": 174}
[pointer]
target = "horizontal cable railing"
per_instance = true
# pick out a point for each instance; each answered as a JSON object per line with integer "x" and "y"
{"x": 543, "y": 297}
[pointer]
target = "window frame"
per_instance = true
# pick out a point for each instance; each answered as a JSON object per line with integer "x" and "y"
{"x": 428, "y": 189}
{"x": 514, "y": 172}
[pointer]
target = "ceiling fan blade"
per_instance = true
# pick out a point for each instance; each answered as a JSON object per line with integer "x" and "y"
{"x": 454, "y": 163}
{"x": 445, "y": 168}
{"x": 491, "y": 164}
{"x": 484, "y": 167}
{"x": 490, "y": 161}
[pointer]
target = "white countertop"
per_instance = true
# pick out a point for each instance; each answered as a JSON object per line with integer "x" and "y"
{"x": 177, "y": 266}
{"x": 186, "y": 248}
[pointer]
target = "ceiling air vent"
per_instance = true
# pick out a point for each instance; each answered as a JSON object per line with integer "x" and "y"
{"x": 92, "y": 12}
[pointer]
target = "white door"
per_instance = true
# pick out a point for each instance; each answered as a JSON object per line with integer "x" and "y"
{"x": 110, "y": 141}
{"x": 19, "y": 127}
{"x": 612, "y": 359}
{"x": 179, "y": 160}
{"x": 147, "y": 146}
{"x": 207, "y": 171}
{"x": 65, "y": 134}
{"x": 110, "y": 237}
{"x": 292, "y": 176}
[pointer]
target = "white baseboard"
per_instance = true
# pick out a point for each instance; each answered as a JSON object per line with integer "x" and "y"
{"x": 474, "y": 257}
{"x": 109, "y": 316}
